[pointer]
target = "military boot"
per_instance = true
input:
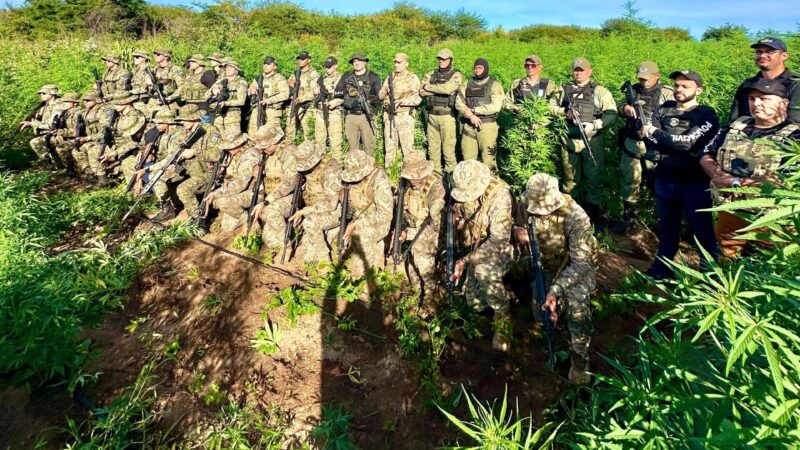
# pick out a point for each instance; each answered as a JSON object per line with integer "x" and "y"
{"x": 579, "y": 370}
{"x": 596, "y": 216}
{"x": 103, "y": 181}
{"x": 628, "y": 214}
{"x": 166, "y": 212}
{"x": 503, "y": 328}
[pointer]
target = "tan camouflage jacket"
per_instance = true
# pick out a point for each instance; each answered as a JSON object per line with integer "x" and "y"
{"x": 202, "y": 153}
{"x": 308, "y": 79}
{"x": 276, "y": 90}
{"x": 422, "y": 203}
{"x": 97, "y": 118}
{"x": 566, "y": 243}
{"x": 488, "y": 223}
{"x": 114, "y": 81}
{"x": 127, "y": 133}
{"x": 550, "y": 91}
{"x": 320, "y": 189}
{"x": 371, "y": 204}
{"x": 237, "y": 92}
{"x": 330, "y": 82}
{"x": 170, "y": 76}
{"x": 139, "y": 81}
{"x": 491, "y": 108}
{"x": 191, "y": 90}
{"x": 280, "y": 166}
{"x": 70, "y": 123}
{"x": 239, "y": 174}
{"x": 406, "y": 91}
{"x": 44, "y": 117}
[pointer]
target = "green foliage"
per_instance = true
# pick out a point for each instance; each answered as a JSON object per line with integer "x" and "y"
{"x": 491, "y": 428}
{"x": 171, "y": 350}
{"x": 333, "y": 430}
{"x": 251, "y": 247}
{"x": 725, "y": 32}
{"x": 215, "y": 395}
{"x": 266, "y": 340}
{"x": 197, "y": 383}
{"x": 212, "y": 304}
{"x": 242, "y": 428}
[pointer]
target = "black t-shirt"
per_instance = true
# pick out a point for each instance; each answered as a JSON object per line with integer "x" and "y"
{"x": 680, "y": 137}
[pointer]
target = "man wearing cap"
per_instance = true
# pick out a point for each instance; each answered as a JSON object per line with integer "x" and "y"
{"x": 423, "y": 202}
{"x": 400, "y": 90}
{"x": 169, "y": 74}
{"x": 743, "y": 154}
{"x": 96, "y": 116}
{"x": 140, "y": 85}
{"x": 117, "y": 80}
{"x": 328, "y": 120}
{"x": 770, "y": 55}
{"x": 275, "y": 93}
{"x": 196, "y": 83}
{"x": 216, "y": 60}
{"x": 233, "y": 197}
{"x": 153, "y": 147}
{"x": 317, "y": 174}
{"x": 568, "y": 252}
{"x": 633, "y": 159}
{"x": 192, "y": 172}
{"x": 43, "y": 119}
{"x": 127, "y": 133}
{"x": 480, "y": 100}
{"x": 679, "y": 131}
{"x": 440, "y": 88}
{"x": 64, "y": 139}
{"x": 483, "y": 213}
{"x": 358, "y": 129}
{"x": 228, "y": 112}
{"x": 532, "y": 86}
{"x": 593, "y": 109}
{"x": 301, "y": 83}
{"x": 369, "y": 210}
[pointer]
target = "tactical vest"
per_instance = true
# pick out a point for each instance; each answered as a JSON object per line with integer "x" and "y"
{"x": 479, "y": 95}
{"x": 441, "y": 103}
{"x": 193, "y": 90}
{"x": 95, "y": 117}
{"x": 314, "y": 187}
{"x": 671, "y": 121}
{"x": 649, "y": 100}
{"x": 273, "y": 170}
{"x": 417, "y": 207}
{"x": 552, "y": 237}
{"x": 362, "y": 195}
{"x": 743, "y": 156}
{"x": 165, "y": 78}
{"x": 583, "y": 107}
{"x": 525, "y": 91}
{"x": 477, "y": 229}
{"x": 351, "y": 103}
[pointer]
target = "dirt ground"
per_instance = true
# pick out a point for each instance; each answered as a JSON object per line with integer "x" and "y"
{"x": 317, "y": 364}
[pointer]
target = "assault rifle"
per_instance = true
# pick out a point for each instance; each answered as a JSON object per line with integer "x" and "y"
{"x": 287, "y": 237}
{"x": 259, "y": 99}
{"x": 343, "y": 220}
{"x": 216, "y": 174}
{"x": 27, "y": 118}
{"x": 158, "y": 87}
{"x": 98, "y": 84}
{"x": 537, "y": 284}
{"x": 633, "y": 100}
{"x": 293, "y": 107}
{"x": 398, "y": 223}
{"x": 80, "y": 126}
{"x": 322, "y": 103}
{"x": 391, "y": 110}
{"x": 150, "y": 148}
{"x": 108, "y": 134}
{"x": 171, "y": 160}
{"x": 221, "y": 96}
{"x": 59, "y": 122}
{"x": 577, "y": 123}
{"x": 450, "y": 251}
{"x": 254, "y": 198}
{"x": 362, "y": 101}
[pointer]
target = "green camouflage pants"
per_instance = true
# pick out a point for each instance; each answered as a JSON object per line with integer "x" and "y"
{"x": 422, "y": 270}
{"x": 441, "y": 135}
{"x": 333, "y": 131}
{"x": 315, "y": 236}
{"x": 401, "y": 135}
{"x": 306, "y": 115}
{"x": 483, "y": 141}
{"x": 233, "y": 205}
{"x": 578, "y": 165}
{"x": 229, "y": 121}
{"x": 484, "y": 284}
{"x": 631, "y": 169}
{"x": 272, "y": 118}
{"x": 274, "y": 217}
{"x": 39, "y": 147}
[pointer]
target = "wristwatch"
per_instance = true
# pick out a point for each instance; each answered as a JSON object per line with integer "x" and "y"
{"x": 737, "y": 182}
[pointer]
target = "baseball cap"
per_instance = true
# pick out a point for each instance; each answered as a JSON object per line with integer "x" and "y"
{"x": 581, "y": 63}
{"x": 647, "y": 70}
{"x": 771, "y": 42}
{"x": 689, "y": 75}
{"x": 303, "y": 55}
{"x": 533, "y": 59}
{"x": 771, "y": 87}
{"x": 330, "y": 62}
{"x": 269, "y": 60}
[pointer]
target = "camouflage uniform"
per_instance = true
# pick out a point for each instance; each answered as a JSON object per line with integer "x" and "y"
{"x": 117, "y": 80}
{"x": 139, "y": 86}
{"x": 233, "y": 198}
{"x": 423, "y": 204}
{"x": 276, "y": 92}
{"x": 320, "y": 197}
{"x": 64, "y": 140}
{"x": 43, "y": 119}
{"x": 568, "y": 252}
{"x": 230, "y": 117}
{"x": 97, "y": 118}
{"x": 304, "y": 102}
{"x": 127, "y": 133}
{"x": 279, "y": 171}
{"x": 405, "y": 87}
{"x": 485, "y": 206}
{"x": 483, "y": 98}
{"x": 440, "y": 95}
{"x": 334, "y": 127}
{"x": 171, "y": 78}
{"x": 527, "y": 89}
{"x": 592, "y": 104}
{"x": 195, "y": 84}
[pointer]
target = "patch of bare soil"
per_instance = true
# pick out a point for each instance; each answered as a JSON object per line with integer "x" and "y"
{"x": 317, "y": 363}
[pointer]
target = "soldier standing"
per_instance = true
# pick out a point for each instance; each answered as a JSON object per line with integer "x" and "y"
{"x": 591, "y": 107}
{"x": 400, "y": 95}
{"x": 634, "y": 161}
{"x": 301, "y": 83}
{"x": 43, "y": 120}
{"x": 440, "y": 88}
{"x": 197, "y": 82}
{"x": 359, "y": 83}
{"x": 680, "y": 131}
{"x": 328, "y": 118}
{"x": 423, "y": 204}
{"x": 117, "y": 80}
{"x": 227, "y": 111}
{"x": 744, "y": 154}
{"x": 568, "y": 252}
{"x": 275, "y": 93}
{"x": 532, "y": 86}
{"x": 480, "y": 100}
{"x": 483, "y": 214}
{"x": 770, "y": 56}
{"x": 127, "y": 133}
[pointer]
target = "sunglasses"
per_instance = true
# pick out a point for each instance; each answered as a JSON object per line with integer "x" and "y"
{"x": 398, "y": 62}
{"x": 528, "y": 65}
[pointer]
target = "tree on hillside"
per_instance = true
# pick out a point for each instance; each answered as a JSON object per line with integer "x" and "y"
{"x": 727, "y": 31}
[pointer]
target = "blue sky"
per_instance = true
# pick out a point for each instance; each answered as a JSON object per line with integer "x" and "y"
{"x": 695, "y": 15}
